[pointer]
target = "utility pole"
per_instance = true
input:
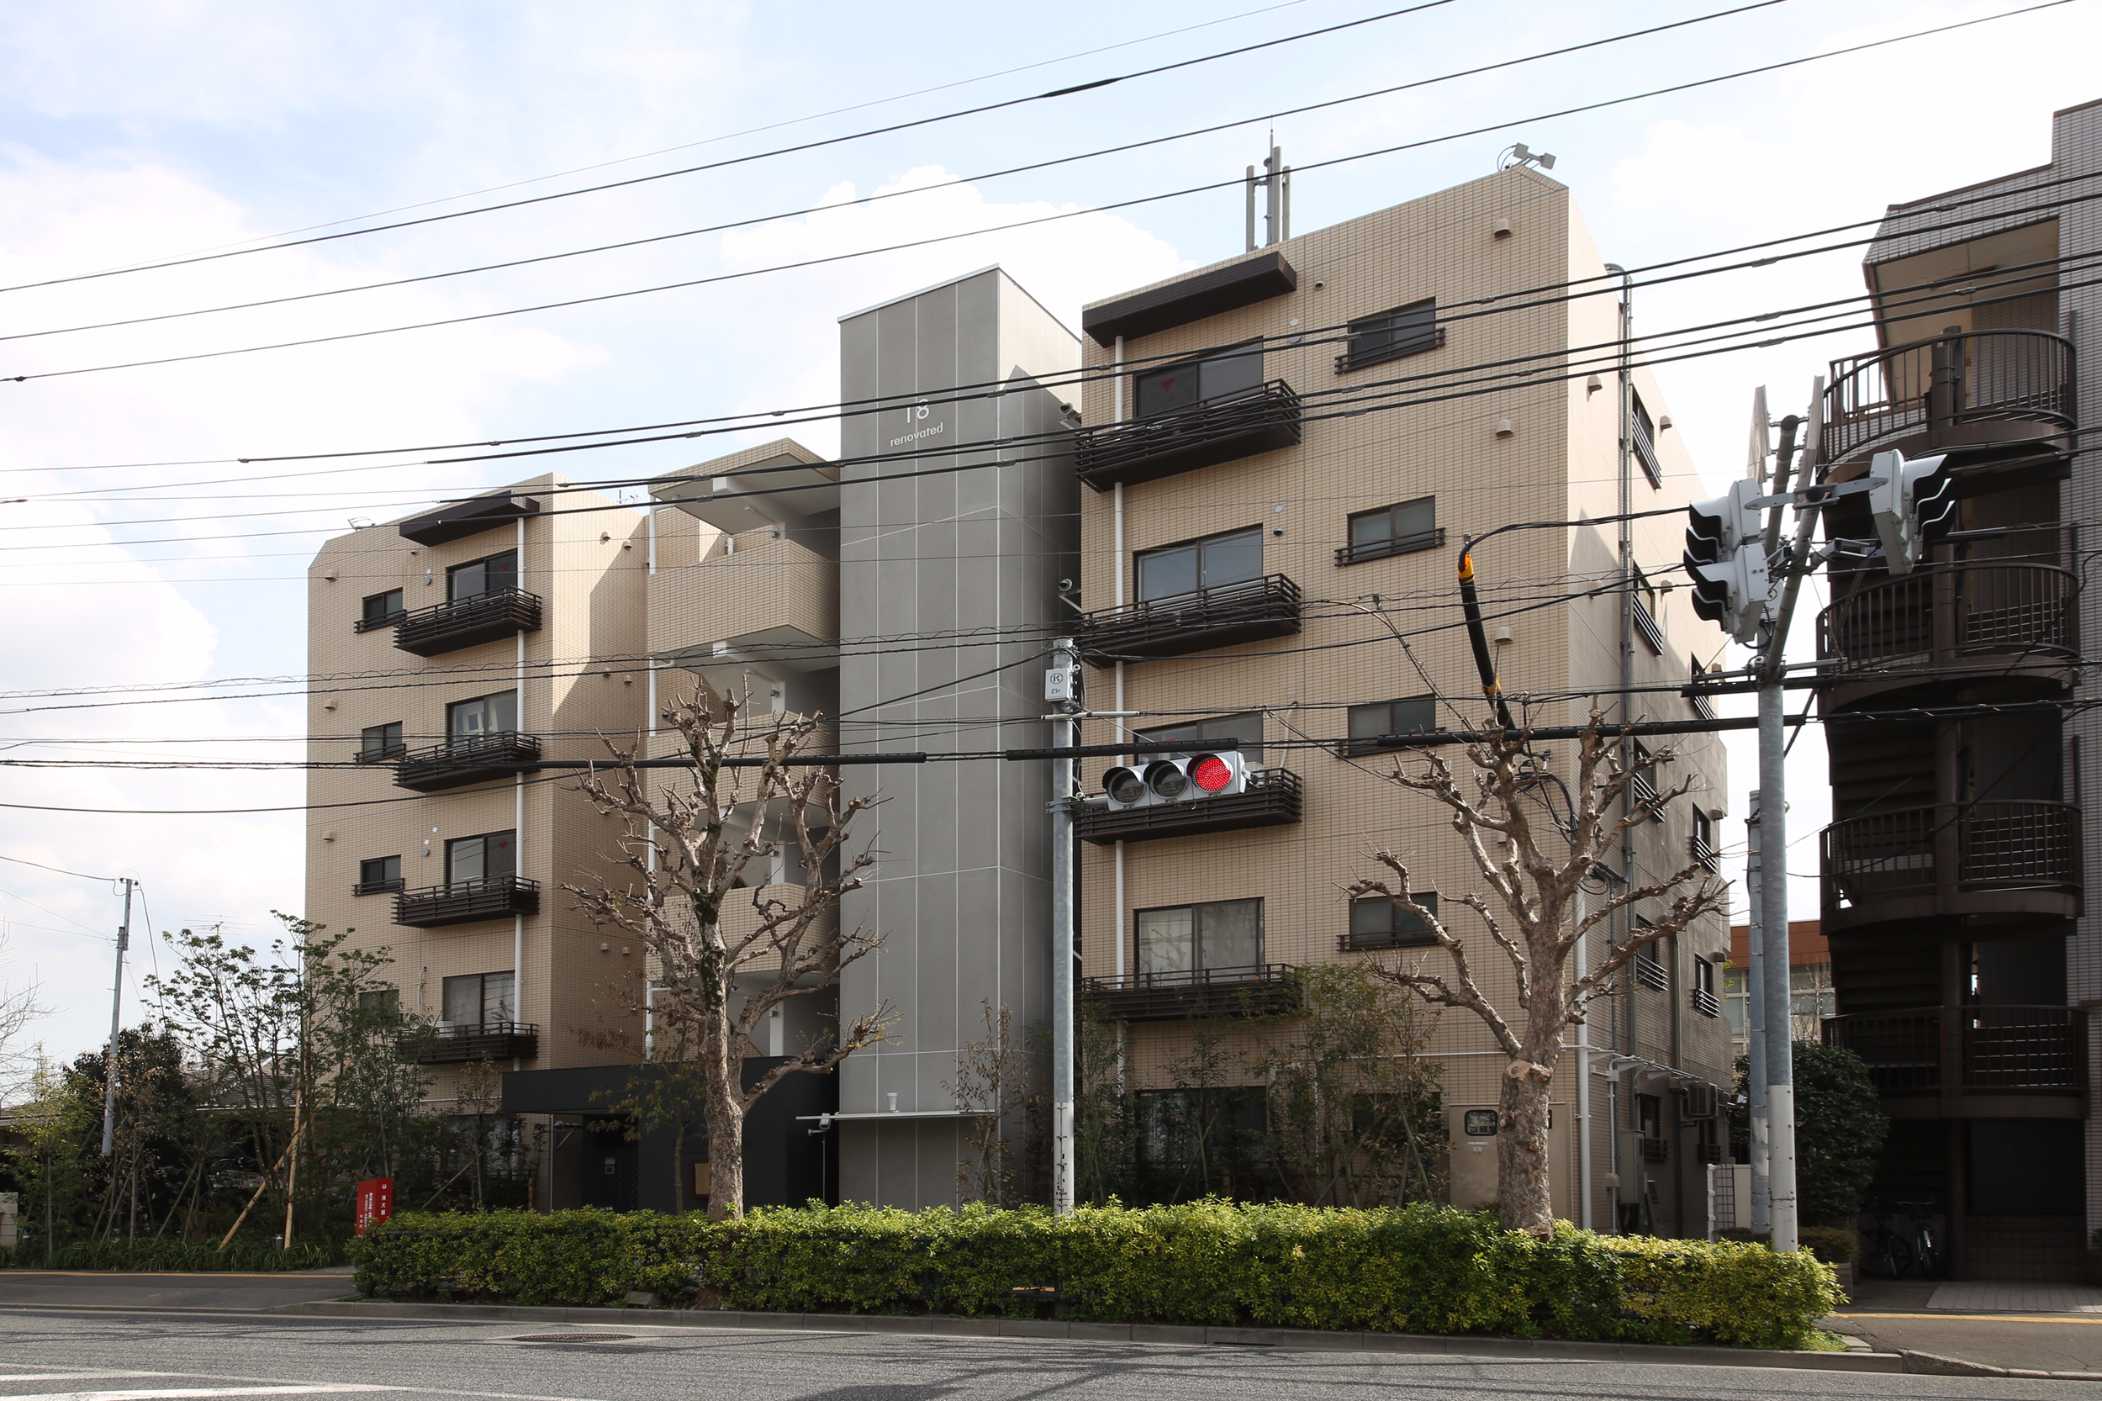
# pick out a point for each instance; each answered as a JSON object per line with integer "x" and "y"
{"x": 1755, "y": 1023}
{"x": 1062, "y": 692}
{"x": 116, "y": 1012}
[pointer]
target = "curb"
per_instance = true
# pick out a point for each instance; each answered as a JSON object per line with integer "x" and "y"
{"x": 1291, "y": 1339}
{"x": 1933, "y": 1364}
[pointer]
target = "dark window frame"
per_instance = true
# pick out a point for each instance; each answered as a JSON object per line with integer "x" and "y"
{"x": 454, "y": 571}
{"x": 371, "y": 619}
{"x": 1199, "y": 544}
{"x": 481, "y": 981}
{"x": 453, "y": 843}
{"x": 1197, "y": 960}
{"x": 454, "y": 736}
{"x": 1253, "y": 753}
{"x": 392, "y": 743}
{"x": 1373, "y": 744}
{"x": 1644, "y": 599}
{"x": 1642, "y": 788}
{"x": 373, "y": 878}
{"x": 1252, "y": 348}
{"x": 1647, "y": 969}
{"x": 1405, "y": 930}
{"x": 1351, "y": 552}
{"x": 1705, "y": 1001}
{"x": 1373, "y": 340}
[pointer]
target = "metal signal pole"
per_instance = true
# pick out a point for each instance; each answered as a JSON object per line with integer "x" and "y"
{"x": 1062, "y": 693}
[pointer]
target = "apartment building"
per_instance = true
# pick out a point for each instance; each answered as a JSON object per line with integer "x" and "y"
{"x": 1967, "y": 970}
{"x": 463, "y": 635}
{"x": 1279, "y": 474}
{"x": 1812, "y": 997}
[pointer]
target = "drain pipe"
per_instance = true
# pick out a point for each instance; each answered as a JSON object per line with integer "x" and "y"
{"x": 1583, "y": 1067}
{"x": 1116, "y": 389}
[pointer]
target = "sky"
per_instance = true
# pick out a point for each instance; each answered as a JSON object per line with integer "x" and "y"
{"x": 135, "y": 132}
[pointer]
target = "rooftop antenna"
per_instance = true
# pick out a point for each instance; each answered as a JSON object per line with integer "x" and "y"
{"x": 1519, "y": 154}
{"x": 1276, "y": 181}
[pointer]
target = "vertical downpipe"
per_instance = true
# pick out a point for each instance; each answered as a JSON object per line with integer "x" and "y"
{"x": 649, "y": 742}
{"x": 1583, "y": 1058}
{"x": 1116, "y": 389}
{"x": 518, "y": 808}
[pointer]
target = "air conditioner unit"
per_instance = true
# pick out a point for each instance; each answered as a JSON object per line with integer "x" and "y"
{"x": 1699, "y": 1101}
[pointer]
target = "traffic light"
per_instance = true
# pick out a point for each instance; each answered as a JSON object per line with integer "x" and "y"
{"x": 1913, "y": 504}
{"x": 1726, "y": 561}
{"x": 1160, "y": 779}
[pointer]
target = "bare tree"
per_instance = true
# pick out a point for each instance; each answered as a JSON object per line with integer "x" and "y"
{"x": 1536, "y": 922}
{"x": 687, "y": 843}
{"x": 18, "y": 1008}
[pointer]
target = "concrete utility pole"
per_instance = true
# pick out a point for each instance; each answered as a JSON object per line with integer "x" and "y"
{"x": 1755, "y": 1022}
{"x": 116, "y": 1013}
{"x": 1062, "y": 692}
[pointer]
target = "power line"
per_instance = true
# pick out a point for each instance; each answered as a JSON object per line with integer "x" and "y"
{"x": 1069, "y": 90}
{"x": 864, "y": 200}
{"x": 1061, "y": 216}
{"x": 58, "y": 870}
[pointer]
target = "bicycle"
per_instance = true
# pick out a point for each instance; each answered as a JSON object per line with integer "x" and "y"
{"x": 1901, "y": 1242}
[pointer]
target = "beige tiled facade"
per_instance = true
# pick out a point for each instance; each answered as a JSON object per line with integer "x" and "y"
{"x": 578, "y": 676}
{"x": 1535, "y": 446}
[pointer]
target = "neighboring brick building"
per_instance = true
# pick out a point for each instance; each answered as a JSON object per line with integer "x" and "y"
{"x": 1809, "y": 980}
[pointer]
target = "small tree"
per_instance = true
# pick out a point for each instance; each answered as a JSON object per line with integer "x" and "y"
{"x": 1104, "y": 1123}
{"x": 1839, "y": 1131}
{"x": 1535, "y": 879}
{"x": 1002, "y": 1107}
{"x": 686, "y": 856}
{"x": 18, "y": 1008}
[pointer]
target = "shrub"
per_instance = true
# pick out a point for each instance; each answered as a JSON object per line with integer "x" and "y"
{"x": 1839, "y": 1131}
{"x": 1416, "y": 1269}
{"x": 1835, "y": 1245}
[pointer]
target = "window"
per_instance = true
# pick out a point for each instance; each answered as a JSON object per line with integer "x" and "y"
{"x": 378, "y": 874}
{"x": 1642, "y": 785}
{"x": 1703, "y": 840}
{"x": 1736, "y": 1002}
{"x": 1392, "y": 530}
{"x": 1705, "y": 1001}
{"x": 1649, "y": 1115}
{"x": 479, "y": 999}
{"x": 1186, "y": 939}
{"x": 1384, "y": 724}
{"x": 1228, "y": 1124}
{"x": 1389, "y": 335}
{"x": 492, "y": 856}
{"x": 1701, "y": 707}
{"x": 378, "y": 742}
{"x": 1646, "y": 625}
{"x": 1190, "y": 382}
{"x": 1210, "y": 563}
{"x": 1243, "y": 732}
{"x": 379, "y": 1005}
{"x": 1376, "y": 922}
{"x": 1646, "y": 442}
{"x": 484, "y": 715}
{"x": 493, "y": 574}
{"x": 379, "y": 610}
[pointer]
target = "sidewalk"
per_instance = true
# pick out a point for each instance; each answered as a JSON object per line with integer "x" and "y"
{"x": 1980, "y": 1325}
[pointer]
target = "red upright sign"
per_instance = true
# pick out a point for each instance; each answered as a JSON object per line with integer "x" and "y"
{"x": 375, "y": 1202}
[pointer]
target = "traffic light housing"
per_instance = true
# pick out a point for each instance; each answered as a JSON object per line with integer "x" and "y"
{"x": 1726, "y": 561}
{"x": 1157, "y": 780}
{"x": 1912, "y": 503}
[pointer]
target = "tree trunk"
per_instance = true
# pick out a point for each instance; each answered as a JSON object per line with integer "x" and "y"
{"x": 1525, "y": 1199}
{"x": 725, "y": 1155}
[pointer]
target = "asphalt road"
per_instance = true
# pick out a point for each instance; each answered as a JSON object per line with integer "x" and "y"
{"x": 228, "y": 1290}
{"x": 68, "y": 1353}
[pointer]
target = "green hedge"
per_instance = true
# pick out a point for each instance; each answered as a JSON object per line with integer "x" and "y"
{"x": 1417, "y": 1269}
{"x": 172, "y": 1255}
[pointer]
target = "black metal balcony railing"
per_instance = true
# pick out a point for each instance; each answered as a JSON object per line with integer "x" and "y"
{"x": 2005, "y": 383}
{"x": 1432, "y": 539}
{"x": 378, "y": 753}
{"x": 452, "y": 1042}
{"x": 1950, "y": 615}
{"x": 462, "y": 902}
{"x": 1357, "y": 356}
{"x": 1252, "y": 990}
{"x": 1996, "y": 856}
{"x": 1984, "y": 1048}
{"x": 1705, "y": 855}
{"x": 482, "y": 617}
{"x": 461, "y": 761}
{"x": 1272, "y": 799}
{"x": 1650, "y": 973}
{"x": 1267, "y": 606}
{"x": 376, "y": 887}
{"x": 1647, "y": 627}
{"x": 1260, "y": 418}
{"x": 1706, "y": 1003}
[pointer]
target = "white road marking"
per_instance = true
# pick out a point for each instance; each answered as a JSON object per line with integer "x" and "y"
{"x": 80, "y": 1376}
{"x": 172, "y": 1392}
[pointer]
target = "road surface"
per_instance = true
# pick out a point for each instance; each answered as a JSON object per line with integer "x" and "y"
{"x": 72, "y": 1352}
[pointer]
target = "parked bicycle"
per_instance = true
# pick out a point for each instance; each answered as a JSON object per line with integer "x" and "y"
{"x": 1901, "y": 1242}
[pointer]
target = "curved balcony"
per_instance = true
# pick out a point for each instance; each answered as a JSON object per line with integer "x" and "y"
{"x": 1256, "y": 990}
{"x": 464, "y": 902}
{"x": 482, "y": 617}
{"x": 2005, "y": 861}
{"x": 1268, "y": 606}
{"x": 1964, "y": 389}
{"x": 1984, "y": 1060}
{"x": 463, "y": 761}
{"x": 1949, "y": 623}
{"x": 1257, "y": 419}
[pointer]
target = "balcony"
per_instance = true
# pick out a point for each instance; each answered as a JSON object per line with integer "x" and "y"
{"x": 1994, "y": 861}
{"x": 1261, "y": 418}
{"x": 1706, "y": 1003}
{"x": 1256, "y": 990}
{"x": 1704, "y": 855}
{"x": 464, "y": 902}
{"x": 1182, "y": 623}
{"x": 482, "y": 617}
{"x": 450, "y": 1043}
{"x": 1272, "y": 799}
{"x": 463, "y": 761}
{"x": 1953, "y": 622}
{"x": 1965, "y": 389}
{"x": 1985, "y": 1060}
{"x": 771, "y": 603}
